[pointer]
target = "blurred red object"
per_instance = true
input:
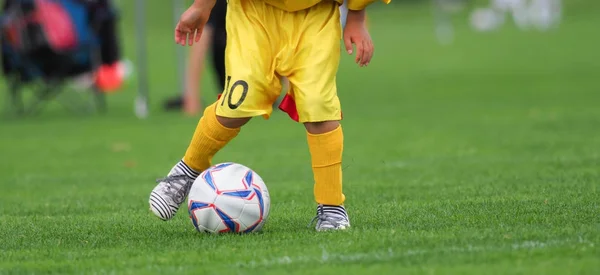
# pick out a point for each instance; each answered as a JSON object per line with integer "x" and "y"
{"x": 109, "y": 78}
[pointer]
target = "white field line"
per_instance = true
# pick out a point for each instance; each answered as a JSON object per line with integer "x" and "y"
{"x": 398, "y": 253}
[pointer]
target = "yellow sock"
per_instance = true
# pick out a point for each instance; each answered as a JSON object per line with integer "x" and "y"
{"x": 210, "y": 137}
{"x": 326, "y": 153}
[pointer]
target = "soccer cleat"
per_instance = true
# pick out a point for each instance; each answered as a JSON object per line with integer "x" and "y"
{"x": 330, "y": 217}
{"x": 171, "y": 191}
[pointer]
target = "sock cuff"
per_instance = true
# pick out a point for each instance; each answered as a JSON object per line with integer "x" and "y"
{"x": 333, "y": 209}
{"x": 325, "y": 135}
{"x": 187, "y": 170}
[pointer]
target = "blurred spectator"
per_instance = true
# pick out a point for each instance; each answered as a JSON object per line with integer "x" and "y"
{"x": 102, "y": 18}
{"x": 526, "y": 14}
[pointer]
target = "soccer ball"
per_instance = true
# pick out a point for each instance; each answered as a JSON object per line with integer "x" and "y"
{"x": 229, "y": 197}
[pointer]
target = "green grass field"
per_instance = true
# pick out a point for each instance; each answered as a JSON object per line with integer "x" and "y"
{"x": 481, "y": 157}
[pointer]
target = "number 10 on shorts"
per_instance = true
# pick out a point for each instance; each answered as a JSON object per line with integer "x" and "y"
{"x": 227, "y": 95}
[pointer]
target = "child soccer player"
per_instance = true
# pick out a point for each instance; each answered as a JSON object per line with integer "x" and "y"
{"x": 269, "y": 39}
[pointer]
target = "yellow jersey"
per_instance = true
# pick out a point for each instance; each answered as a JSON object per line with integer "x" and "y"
{"x": 296, "y": 5}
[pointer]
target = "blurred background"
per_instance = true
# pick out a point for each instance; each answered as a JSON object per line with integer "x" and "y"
{"x": 445, "y": 74}
{"x": 416, "y": 39}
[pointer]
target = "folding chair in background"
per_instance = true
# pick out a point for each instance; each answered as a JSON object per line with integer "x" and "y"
{"x": 46, "y": 43}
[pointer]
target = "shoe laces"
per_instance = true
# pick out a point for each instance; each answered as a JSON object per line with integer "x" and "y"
{"x": 323, "y": 216}
{"x": 177, "y": 186}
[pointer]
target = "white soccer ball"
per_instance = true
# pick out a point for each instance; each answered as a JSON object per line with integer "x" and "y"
{"x": 229, "y": 197}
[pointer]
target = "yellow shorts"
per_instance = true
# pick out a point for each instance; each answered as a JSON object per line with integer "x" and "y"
{"x": 265, "y": 43}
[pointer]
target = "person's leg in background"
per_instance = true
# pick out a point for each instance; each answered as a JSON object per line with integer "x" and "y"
{"x": 219, "y": 42}
{"x": 112, "y": 71}
{"x": 191, "y": 100}
{"x": 109, "y": 49}
{"x": 214, "y": 37}
{"x": 218, "y": 57}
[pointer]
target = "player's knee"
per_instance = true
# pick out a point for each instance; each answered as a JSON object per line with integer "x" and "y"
{"x": 233, "y": 123}
{"x": 321, "y": 127}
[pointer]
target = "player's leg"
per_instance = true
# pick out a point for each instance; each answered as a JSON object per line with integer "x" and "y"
{"x": 313, "y": 83}
{"x": 249, "y": 92}
{"x": 211, "y": 135}
{"x": 326, "y": 144}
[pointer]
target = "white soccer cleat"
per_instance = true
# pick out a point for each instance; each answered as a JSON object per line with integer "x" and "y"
{"x": 331, "y": 217}
{"x": 171, "y": 191}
